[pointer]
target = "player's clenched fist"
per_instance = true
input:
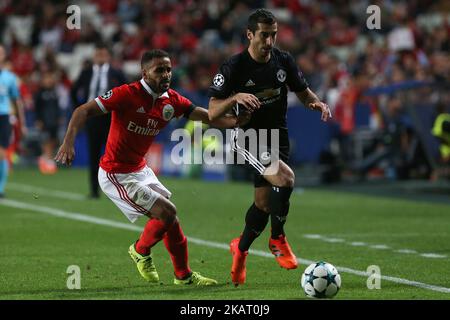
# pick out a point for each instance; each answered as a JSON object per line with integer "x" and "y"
{"x": 65, "y": 154}
{"x": 248, "y": 101}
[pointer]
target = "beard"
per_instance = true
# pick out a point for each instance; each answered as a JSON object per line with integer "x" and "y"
{"x": 164, "y": 86}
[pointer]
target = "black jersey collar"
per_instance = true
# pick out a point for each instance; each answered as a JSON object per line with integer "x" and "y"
{"x": 249, "y": 57}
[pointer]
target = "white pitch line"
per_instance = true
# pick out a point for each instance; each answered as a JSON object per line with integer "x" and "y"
{"x": 407, "y": 251}
{"x": 312, "y": 236}
{"x": 69, "y": 215}
{"x": 119, "y": 225}
{"x": 358, "y": 244}
{"x": 379, "y": 246}
{"x": 45, "y": 192}
{"x": 333, "y": 240}
{"x": 372, "y": 246}
{"x": 432, "y": 255}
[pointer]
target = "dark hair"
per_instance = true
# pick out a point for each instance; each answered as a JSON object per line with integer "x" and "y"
{"x": 152, "y": 54}
{"x": 260, "y": 16}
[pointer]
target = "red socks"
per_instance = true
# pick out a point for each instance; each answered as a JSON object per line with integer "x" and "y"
{"x": 176, "y": 244}
{"x": 153, "y": 233}
{"x": 174, "y": 240}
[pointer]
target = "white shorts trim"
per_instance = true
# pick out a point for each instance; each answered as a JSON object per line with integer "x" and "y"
{"x": 133, "y": 193}
{"x": 254, "y": 162}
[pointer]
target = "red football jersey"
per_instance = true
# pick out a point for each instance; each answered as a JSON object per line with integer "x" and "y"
{"x": 138, "y": 115}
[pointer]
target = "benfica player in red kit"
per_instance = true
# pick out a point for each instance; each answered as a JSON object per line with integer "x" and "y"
{"x": 139, "y": 111}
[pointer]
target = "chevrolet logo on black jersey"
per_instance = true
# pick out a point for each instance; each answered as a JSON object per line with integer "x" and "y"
{"x": 268, "y": 93}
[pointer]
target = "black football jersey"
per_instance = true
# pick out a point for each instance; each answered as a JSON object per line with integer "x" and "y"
{"x": 269, "y": 82}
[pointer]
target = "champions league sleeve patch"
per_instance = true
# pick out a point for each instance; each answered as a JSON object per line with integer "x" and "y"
{"x": 219, "y": 80}
{"x": 107, "y": 95}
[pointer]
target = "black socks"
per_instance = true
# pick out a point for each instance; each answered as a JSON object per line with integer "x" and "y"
{"x": 279, "y": 208}
{"x": 255, "y": 222}
{"x": 256, "y": 219}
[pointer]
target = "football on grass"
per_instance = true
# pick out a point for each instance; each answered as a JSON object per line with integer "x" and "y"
{"x": 321, "y": 280}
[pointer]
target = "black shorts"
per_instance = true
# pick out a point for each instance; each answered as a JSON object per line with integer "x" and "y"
{"x": 258, "y": 179}
{"x": 5, "y": 131}
{"x": 258, "y": 157}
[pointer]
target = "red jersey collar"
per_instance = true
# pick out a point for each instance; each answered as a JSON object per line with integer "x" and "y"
{"x": 150, "y": 91}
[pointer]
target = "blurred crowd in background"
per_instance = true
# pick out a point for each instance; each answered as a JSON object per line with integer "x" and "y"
{"x": 387, "y": 70}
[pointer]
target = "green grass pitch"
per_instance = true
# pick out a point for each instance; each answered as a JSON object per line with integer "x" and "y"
{"x": 39, "y": 239}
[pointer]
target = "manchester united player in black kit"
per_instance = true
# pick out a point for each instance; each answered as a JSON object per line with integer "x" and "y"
{"x": 256, "y": 81}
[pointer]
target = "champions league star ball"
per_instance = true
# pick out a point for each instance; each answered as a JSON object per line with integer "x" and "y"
{"x": 321, "y": 280}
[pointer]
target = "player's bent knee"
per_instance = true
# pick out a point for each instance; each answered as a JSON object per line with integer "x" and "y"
{"x": 285, "y": 177}
{"x": 289, "y": 181}
{"x": 288, "y": 178}
{"x": 165, "y": 210}
{"x": 262, "y": 205}
{"x": 169, "y": 213}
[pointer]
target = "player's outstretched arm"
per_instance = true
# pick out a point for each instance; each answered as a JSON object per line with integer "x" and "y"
{"x": 220, "y": 107}
{"x": 66, "y": 152}
{"x": 225, "y": 121}
{"x": 310, "y": 100}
